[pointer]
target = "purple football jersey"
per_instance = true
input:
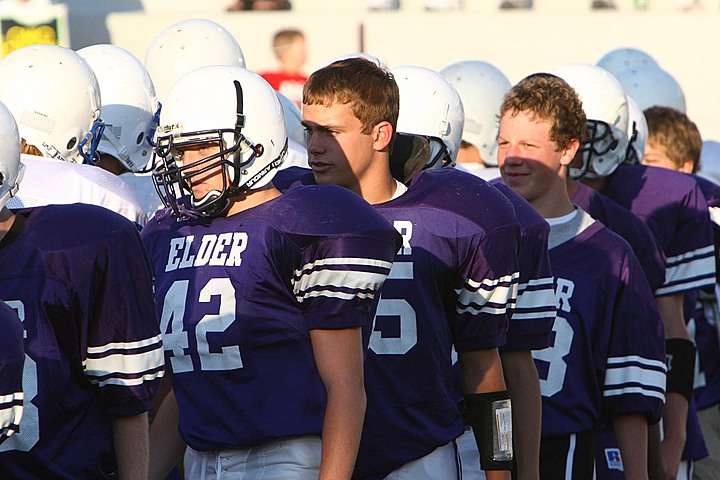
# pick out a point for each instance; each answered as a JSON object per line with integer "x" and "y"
{"x": 12, "y": 357}
{"x": 237, "y": 297}
{"x": 607, "y": 356}
{"x": 673, "y": 207}
{"x": 626, "y": 224}
{"x": 711, "y": 192}
{"x": 79, "y": 279}
{"x": 703, "y": 326}
{"x": 534, "y": 313}
{"x": 454, "y": 282}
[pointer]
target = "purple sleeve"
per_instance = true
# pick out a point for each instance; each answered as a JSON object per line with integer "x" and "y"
{"x": 340, "y": 278}
{"x": 635, "y": 376}
{"x": 124, "y": 355}
{"x": 534, "y": 314}
{"x": 486, "y": 289}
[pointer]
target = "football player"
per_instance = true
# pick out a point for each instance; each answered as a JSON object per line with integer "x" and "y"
{"x": 129, "y": 112}
{"x": 453, "y": 283}
{"x": 12, "y": 353}
{"x": 79, "y": 280}
{"x": 602, "y": 304}
{"x": 266, "y": 300}
{"x": 11, "y": 371}
{"x": 55, "y": 97}
{"x": 672, "y": 206}
{"x": 674, "y": 142}
{"x": 534, "y": 312}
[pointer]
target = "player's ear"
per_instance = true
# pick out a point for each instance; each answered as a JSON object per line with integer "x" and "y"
{"x": 383, "y": 133}
{"x": 686, "y": 166}
{"x": 569, "y": 151}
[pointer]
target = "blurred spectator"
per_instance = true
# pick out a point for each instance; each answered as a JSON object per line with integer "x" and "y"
{"x": 238, "y": 5}
{"x": 595, "y": 4}
{"x": 291, "y": 53}
{"x": 603, "y": 5}
{"x": 442, "y": 5}
{"x": 429, "y": 5}
{"x": 512, "y": 4}
{"x": 383, "y": 4}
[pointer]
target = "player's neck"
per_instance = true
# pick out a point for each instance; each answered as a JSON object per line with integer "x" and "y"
{"x": 252, "y": 198}
{"x": 7, "y": 218}
{"x": 555, "y": 203}
{"x": 377, "y": 187}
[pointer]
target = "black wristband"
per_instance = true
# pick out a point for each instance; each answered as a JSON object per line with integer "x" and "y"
{"x": 680, "y": 359}
{"x": 490, "y": 415}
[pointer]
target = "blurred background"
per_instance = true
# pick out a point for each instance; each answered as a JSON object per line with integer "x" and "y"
{"x": 519, "y": 37}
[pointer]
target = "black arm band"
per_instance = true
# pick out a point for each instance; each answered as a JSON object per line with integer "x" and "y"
{"x": 680, "y": 355}
{"x": 490, "y": 416}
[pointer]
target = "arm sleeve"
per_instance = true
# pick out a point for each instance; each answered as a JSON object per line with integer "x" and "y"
{"x": 486, "y": 289}
{"x": 635, "y": 372}
{"x": 123, "y": 350}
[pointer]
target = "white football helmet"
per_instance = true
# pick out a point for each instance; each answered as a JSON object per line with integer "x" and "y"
{"x": 606, "y": 109}
{"x": 617, "y": 60}
{"x": 11, "y": 170}
{"x": 651, "y": 86}
{"x": 55, "y": 98}
{"x": 129, "y": 106}
{"x": 187, "y": 45}
{"x": 431, "y": 107}
{"x": 710, "y": 161}
{"x": 637, "y": 132}
{"x": 482, "y": 87}
{"x": 226, "y": 106}
{"x": 293, "y": 119}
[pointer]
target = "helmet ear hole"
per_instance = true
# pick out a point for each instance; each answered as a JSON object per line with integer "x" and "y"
{"x": 71, "y": 143}
{"x": 140, "y": 138}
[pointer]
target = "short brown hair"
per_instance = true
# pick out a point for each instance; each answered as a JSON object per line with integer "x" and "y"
{"x": 548, "y": 98}
{"x": 673, "y": 132}
{"x": 369, "y": 89}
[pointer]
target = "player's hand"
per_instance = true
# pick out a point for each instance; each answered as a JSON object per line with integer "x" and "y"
{"x": 670, "y": 454}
